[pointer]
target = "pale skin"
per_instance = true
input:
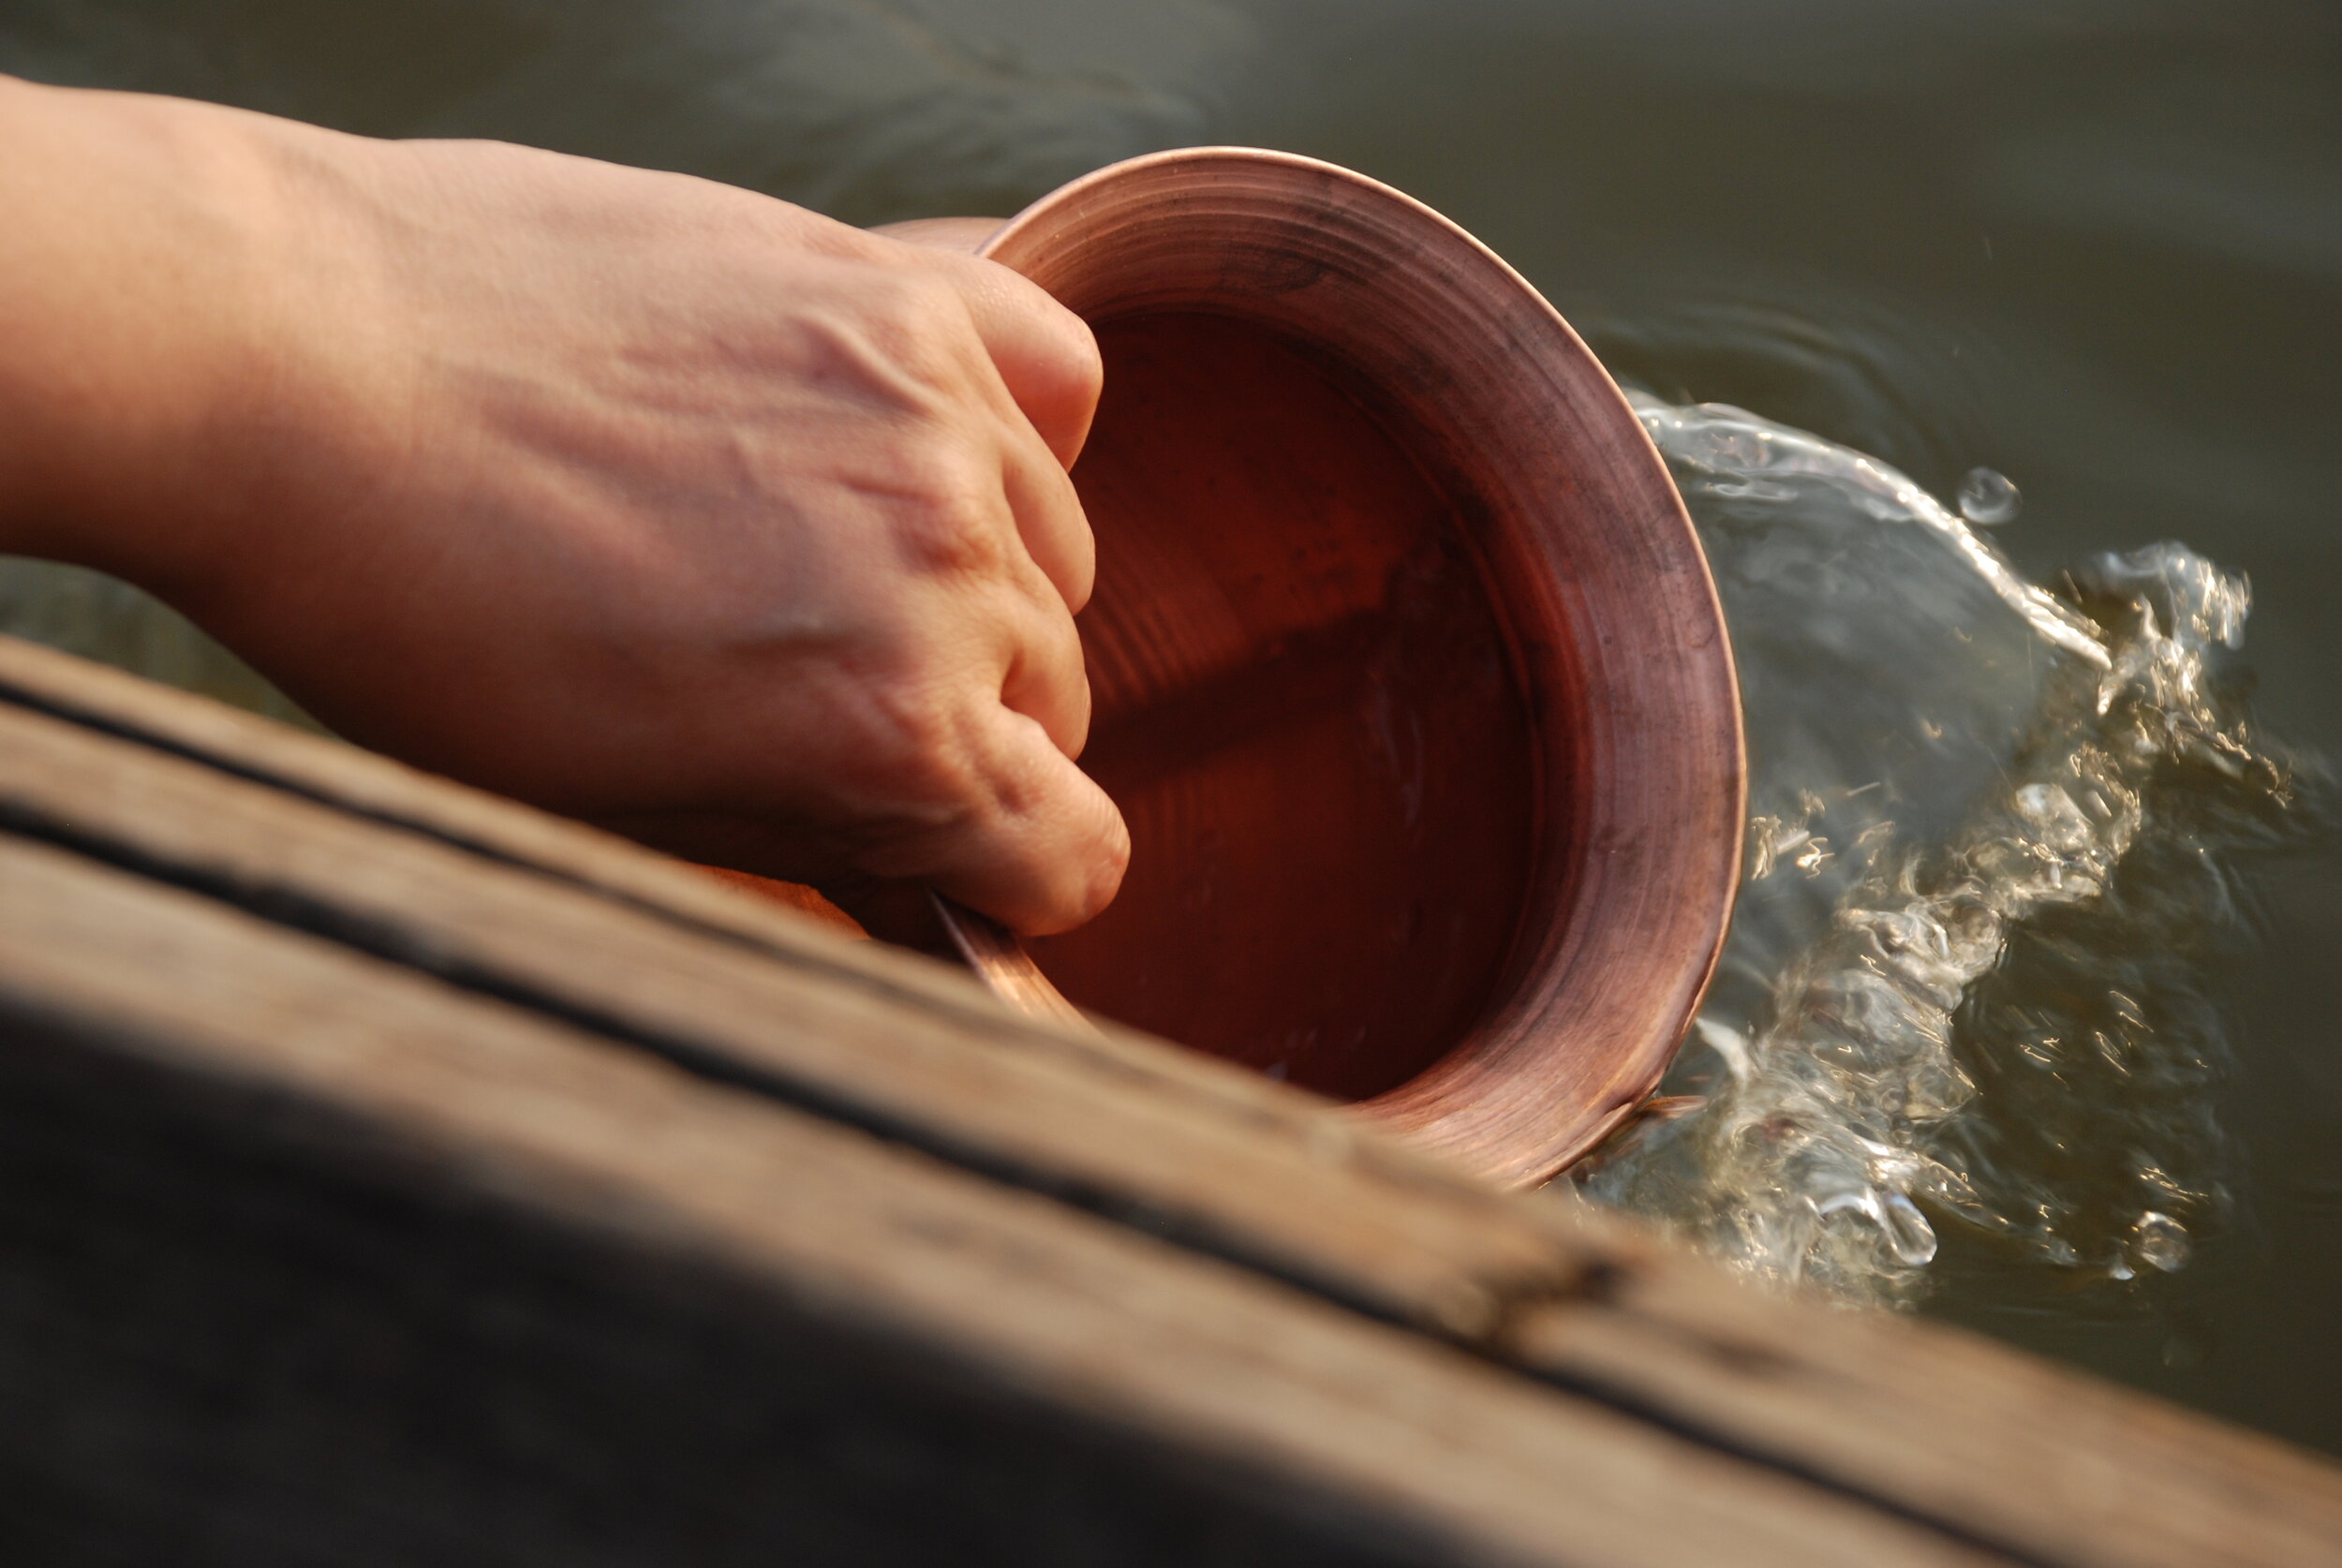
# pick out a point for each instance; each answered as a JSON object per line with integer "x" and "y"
{"x": 645, "y": 499}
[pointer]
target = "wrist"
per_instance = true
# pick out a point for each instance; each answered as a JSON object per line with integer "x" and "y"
{"x": 161, "y": 330}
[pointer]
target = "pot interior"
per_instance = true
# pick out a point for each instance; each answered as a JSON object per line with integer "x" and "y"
{"x": 1308, "y": 711}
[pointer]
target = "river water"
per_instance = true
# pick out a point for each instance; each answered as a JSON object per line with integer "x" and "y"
{"x": 2029, "y": 1017}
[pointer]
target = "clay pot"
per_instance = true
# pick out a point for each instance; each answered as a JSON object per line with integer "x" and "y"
{"x": 1410, "y": 677}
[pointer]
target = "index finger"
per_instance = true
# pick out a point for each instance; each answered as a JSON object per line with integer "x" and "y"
{"x": 1046, "y": 354}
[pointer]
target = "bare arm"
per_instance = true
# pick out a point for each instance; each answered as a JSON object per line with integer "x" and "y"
{"x": 646, "y": 499}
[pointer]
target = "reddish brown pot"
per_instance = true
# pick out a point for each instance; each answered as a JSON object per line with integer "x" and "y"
{"x": 1411, "y": 679}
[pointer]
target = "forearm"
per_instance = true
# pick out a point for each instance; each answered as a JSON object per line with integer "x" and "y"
{"x": 148, "y": 312}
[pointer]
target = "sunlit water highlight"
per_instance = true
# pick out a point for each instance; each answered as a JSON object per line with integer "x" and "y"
{"x": 1990, "y": 851}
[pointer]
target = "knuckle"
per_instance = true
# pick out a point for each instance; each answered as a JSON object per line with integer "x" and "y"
{"x": 953, "y": 518}
{"x": 889, "y": 338}
{"x": 912, "y": 308}
{"x": 906, "y": 732}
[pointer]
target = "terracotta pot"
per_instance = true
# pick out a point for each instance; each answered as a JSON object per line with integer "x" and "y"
{"x": 1410, "y": 676}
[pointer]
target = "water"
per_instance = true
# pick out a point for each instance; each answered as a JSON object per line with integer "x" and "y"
{"x": 1968, "y": 980}
{"x": 2030, "y": 1015}
{"x": 90, "y": 613}
{"x": 1988, "y": 498}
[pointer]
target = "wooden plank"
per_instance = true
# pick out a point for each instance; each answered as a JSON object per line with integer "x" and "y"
{"x": 1931, "y": 1421}
{"x": 1281, "y": 1183}
{"x": 885, "y": 1292}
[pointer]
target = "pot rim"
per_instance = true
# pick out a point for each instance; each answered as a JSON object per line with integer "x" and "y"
{"x": 1496, "y": 1101}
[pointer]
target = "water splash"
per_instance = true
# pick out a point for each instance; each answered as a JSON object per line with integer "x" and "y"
{"x": 1988, "y": 855}
{"x": 1988, "y": 497}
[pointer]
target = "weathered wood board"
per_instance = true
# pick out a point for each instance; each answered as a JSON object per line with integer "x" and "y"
{"x": 390, "y": 1173}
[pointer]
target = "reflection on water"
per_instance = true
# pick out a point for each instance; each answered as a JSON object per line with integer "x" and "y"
{"x": 98, "y": 616}
{"x": 1988, "y": 856}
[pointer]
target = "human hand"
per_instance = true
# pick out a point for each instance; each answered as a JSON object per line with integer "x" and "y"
{"x": 651, "y": 501}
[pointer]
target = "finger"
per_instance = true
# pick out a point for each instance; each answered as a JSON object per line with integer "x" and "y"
{"x": 1046, "y": 354}
{"x": 1047, "y": 363}
{"x": 1043, "y": 851}
{"x": 1045, "y": 679}
{"x": 1051, "y": 521}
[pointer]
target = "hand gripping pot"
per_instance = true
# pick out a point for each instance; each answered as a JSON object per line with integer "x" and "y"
{"x": 1410, "y": 677}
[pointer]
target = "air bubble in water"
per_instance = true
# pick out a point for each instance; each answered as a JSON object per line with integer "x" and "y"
{"x": 1901, "y": 1225}
{"x": 2159, "y": 1241}
{"x": 1986, "y": 497}
{"x": 1909, "y": 1236}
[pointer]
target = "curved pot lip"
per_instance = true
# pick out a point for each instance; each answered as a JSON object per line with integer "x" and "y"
{"x": 1446, "y": 1105}
{"x": 1074, "y": 191}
